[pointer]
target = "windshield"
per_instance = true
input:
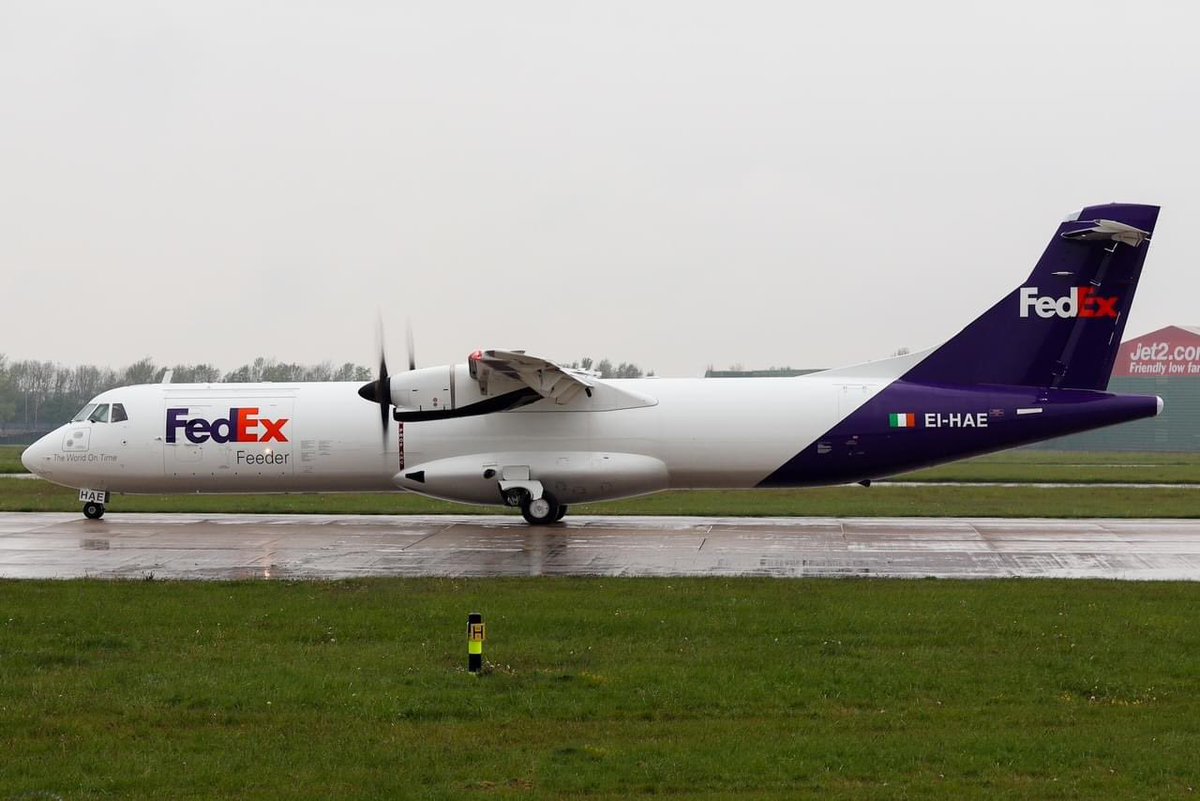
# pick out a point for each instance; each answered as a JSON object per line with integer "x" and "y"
{"x": 100, "y": 415}
{"x": 83, "y": 413}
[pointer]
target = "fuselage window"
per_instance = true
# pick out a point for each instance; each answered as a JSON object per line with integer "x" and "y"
{"x": 100, "y": 415}
{"x": 83, "y": 413}
{"x": 118, "y": 413}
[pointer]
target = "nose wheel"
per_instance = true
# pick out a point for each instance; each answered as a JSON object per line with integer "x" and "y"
{"x": 544, "y": 511}
{"x": 93, "y": 510}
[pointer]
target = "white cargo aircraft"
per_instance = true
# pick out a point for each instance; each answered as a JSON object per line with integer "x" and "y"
{"x": 509, "y": 428}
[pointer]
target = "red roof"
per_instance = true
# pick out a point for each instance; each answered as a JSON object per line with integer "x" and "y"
{"x": 1173, "y": 351}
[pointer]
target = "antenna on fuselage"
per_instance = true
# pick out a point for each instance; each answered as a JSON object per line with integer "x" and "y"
{"x": 166, "y": 379}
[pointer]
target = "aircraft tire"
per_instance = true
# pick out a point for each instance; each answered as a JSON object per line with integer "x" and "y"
{"x": 541, "y": 512}
{"x": 562, "y": 512}
{"x": 93, "y": 511}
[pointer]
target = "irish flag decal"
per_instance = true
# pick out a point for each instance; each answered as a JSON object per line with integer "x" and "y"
{"x": 902, "y": 420}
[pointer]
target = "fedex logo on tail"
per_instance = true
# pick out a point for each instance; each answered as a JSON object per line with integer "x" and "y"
{"x": 242, "y": 425}
{"x": 1082, "y": 301}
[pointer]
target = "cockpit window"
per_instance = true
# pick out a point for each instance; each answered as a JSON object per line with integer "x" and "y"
{"x": 100, "y": 415}
{"x": 83, "y": 413}
{"x": 118, "y": 413}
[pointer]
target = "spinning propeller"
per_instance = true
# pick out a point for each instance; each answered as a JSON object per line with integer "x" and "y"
{"x": 380, "y": 390}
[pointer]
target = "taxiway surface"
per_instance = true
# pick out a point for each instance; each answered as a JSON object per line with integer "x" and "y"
{"x": 212, "y": 546}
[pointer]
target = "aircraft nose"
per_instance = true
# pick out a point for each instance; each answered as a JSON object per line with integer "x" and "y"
{"x": 33, "y": 457}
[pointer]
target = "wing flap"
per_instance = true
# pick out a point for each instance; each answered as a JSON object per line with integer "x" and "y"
{"x": 559, "y": 384}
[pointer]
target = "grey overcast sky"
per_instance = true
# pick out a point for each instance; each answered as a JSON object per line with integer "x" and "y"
{"x": 676, "y": 184}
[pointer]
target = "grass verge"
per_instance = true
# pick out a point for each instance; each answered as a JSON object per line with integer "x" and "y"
{"x": 1030, "y": 466}
{"x": 10, "y": 459}
{"x": 697, "y": 688}
{"x": 18, "y": 495}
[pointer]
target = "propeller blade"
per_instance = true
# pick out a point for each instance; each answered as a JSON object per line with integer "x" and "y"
{"x": 412, "y": 353}
{"x": 380, "y": 390}
{"x": 383, "y": 393}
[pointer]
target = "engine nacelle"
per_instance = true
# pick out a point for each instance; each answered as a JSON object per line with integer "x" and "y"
{"x": 438, "y": 393}
{"x": 573, "y": 477}
{"x": 433, "y": 393}
{"x": 426, "y": 389}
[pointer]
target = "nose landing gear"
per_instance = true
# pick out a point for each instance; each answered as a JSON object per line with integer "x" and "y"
{"x": 93, "y": 502}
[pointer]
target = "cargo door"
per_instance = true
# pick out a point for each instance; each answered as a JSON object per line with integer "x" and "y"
{"x": 188, "y": 449}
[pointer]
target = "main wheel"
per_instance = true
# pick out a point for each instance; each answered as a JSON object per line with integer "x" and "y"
{"x": 541, "y": 512}
{"x": 93, "y": 511}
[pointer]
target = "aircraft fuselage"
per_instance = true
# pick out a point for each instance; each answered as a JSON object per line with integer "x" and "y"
{"x": 825, "y": 428}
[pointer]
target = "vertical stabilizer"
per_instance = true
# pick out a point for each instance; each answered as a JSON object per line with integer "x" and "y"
{"x": 1062, "y": 326}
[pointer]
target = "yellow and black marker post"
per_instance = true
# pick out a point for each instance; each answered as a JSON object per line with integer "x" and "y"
{"x": 474, "y": 642}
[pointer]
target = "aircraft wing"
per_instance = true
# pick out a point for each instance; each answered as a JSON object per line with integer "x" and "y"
{"x": 550, "y": 380}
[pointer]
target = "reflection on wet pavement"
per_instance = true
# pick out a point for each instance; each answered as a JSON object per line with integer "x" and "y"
{"x": 194, "y": 546}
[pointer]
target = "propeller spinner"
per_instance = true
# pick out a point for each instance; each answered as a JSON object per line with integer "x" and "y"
{"x": 380, "y": 390}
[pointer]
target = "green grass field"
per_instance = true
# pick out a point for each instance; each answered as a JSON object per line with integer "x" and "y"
{"x": 17, "y": 495}
{"x": 1029, "y": 466}
{"x": 10, "y": 459}
{"x": 693, "y": 688}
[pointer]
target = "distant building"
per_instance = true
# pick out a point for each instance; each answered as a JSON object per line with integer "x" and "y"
{"x": 773, "y": 372}
{"x": 1166, "y": 363}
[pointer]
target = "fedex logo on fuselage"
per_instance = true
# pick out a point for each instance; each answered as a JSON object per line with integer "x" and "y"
{"x": 1082, "y": 301}
{"x": 242, "y": 425}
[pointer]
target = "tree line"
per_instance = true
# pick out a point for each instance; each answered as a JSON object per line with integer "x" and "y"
{"x": 606, "y": 369}
{"x": 36, "y": 394}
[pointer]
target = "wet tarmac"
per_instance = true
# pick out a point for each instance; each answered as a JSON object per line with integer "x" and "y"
{"x": 212, "y": 546}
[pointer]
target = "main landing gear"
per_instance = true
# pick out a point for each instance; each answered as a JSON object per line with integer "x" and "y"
{"x": 93, "y": 510}
{"x": 544, "y": 511}
{"x": 541, "y": 512}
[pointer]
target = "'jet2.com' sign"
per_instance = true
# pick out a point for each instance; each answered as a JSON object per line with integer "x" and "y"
{"x": 1171, "y": 351}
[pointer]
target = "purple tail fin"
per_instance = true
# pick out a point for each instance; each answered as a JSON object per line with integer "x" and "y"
{"x": 1063, "y": 325}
